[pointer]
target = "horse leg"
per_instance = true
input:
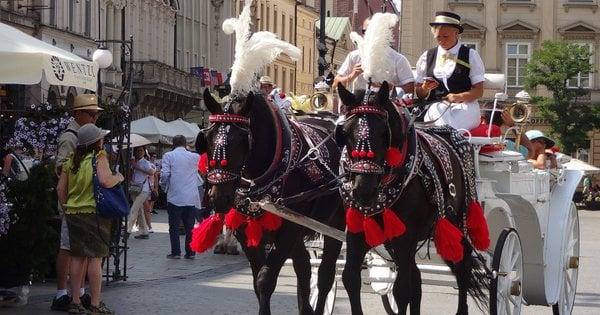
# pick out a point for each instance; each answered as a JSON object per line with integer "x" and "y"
{"x": 256, "y": 258}
{"x": 405, "y": 289}
{"x": 327, "y": 270}
{"x": 462, "y": 271}
{"x": 356, "y": 248}
{"x": 302, "y": 268}
{"x": 287, "y": 238}
{"x": 417, "y": 293}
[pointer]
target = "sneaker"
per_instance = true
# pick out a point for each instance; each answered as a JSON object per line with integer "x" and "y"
{"x": 77, "y": 309}
{"x": 142, "y": 237}
{"x": 150, "y": 230}
{"x": 171, "y": 256}
{"x": 134, "y": 229}
{"x": 61, "y": 304}
{"x": 101, "y": 309}
{"x": 86, "y": 300}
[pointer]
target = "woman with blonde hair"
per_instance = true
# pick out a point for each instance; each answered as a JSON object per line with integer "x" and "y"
{"x": 89, "y": 234}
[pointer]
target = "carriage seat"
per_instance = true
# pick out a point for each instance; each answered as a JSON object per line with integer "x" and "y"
{"x": 488, "y": 139}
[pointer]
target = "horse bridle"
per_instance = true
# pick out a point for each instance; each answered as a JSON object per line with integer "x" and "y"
{"x": 361, "y": 159}
{"x": 217, "y": 175}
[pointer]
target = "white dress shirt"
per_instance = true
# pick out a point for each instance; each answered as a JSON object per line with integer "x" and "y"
{"x": 459, "y": 115}
{"x": 141, "y": 177}
{"x": 400, "y": 75}
{"x": 179, "y": 177}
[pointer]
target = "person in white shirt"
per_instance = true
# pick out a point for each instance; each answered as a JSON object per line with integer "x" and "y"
{"x": 179, "y": 178}
{"x": 142, "y": 171}
{"x": 349, "y": 73}
{"x": 450, "y": 72}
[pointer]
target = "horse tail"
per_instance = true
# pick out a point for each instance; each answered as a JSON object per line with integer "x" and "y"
{"x": 475, "y": 277}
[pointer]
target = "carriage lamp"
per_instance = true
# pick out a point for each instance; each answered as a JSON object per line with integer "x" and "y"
{"x": 103, "y": 57}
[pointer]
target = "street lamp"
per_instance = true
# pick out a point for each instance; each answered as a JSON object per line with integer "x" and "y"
{"x": 103, "y": 57}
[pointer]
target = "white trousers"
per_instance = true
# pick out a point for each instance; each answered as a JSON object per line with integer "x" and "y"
{"x": 459, "y": 115}
{"x": 137, "y": 213}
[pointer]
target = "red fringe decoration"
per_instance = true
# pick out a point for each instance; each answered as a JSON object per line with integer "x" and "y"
{"x": 354, "y": 220}
{"x": 392, "y": 224}
{"x": 270, "y": 222}
{"x": 393, "y": 157}
{"x": 254, "y": 233}
{"x": 203, "y": 164}
{"x": 477, "y": 226}
{"x": 448, "y": 241}
{"x": 234, "y": 219}
{"x": 373, "y": 233}
{"x": 204, "y": 236}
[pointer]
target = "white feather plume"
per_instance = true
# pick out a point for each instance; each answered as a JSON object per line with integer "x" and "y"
{"x": 374, "y": 49}
{"x": 254, "y": 52}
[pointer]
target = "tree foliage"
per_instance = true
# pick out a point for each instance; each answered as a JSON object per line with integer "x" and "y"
{"x": 552, "y": 66}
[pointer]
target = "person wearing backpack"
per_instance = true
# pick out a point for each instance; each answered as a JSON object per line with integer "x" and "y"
{"x": 89, "y": 233}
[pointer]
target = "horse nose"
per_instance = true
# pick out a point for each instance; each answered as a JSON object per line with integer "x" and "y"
{"x": 364, "y": 193}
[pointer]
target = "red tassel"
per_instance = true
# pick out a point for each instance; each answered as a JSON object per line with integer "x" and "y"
{"x": 477, "y": 226}
{"x": 234, "y": 219}
{"x": 254, "y": 233}
{"x": 393, "y": 157}
{"x": 392, "y": 224}
{"x": 448, "y": 241}
{"x": 373, "y": 233}
{"x": 204, "y": 236}
{"x": 354, "y": 220}
{"x": 203, "y": 164}
{"x": 270, "y": 222}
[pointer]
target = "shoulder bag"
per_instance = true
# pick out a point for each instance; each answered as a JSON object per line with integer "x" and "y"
{"x": 110, "y": 202}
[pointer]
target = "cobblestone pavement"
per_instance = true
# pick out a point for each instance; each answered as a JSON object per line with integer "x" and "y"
{"x": 216, "y": 284}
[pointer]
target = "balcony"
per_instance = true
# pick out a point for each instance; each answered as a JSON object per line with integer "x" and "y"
{"x": 154, "y": 74}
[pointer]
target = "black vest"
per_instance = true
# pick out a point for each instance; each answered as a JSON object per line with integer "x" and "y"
{"x": 458, "y": 82}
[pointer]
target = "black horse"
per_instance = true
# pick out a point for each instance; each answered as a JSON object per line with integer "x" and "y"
{"x": 255, "y": 152}
{"x": 391, "y": 184}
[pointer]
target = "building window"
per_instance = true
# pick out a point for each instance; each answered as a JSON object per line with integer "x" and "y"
{"x": 284, "y": 86}
{"x": 582, "y": 80}
{"x": 581, "y": 1}
{"x": 275, "y": 21}
{"x": 517, "y": 56}
{"x": 283, "y": 27}
{"x": 52, "y": 13}
{"x": 302, "y": 58}
{"x": 71, "y": 15}
{"x": 262, "y": 17}
{"x": 310, "y": 65}
{"x": 88, "y": 18}
{"x": 473, "y": 45}
{"x": 292, "y": 30}
{"x": 268, "y": 18}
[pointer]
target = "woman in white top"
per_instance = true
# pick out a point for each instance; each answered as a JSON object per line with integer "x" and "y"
{"x": 451, "y": 76}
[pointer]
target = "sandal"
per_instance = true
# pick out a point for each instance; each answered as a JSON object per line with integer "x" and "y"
{"x": 100, "y": 309}
{"x": 77, "y": 309}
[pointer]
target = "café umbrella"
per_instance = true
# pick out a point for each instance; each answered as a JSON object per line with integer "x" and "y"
{"x": 26, "y": 59}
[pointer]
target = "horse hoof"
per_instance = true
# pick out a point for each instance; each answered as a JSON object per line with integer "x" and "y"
{"x": 219, "y": 250}
{"x": 232, "y": 250}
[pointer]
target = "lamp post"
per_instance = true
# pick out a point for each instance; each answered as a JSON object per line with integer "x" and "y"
{"x": 122, "y": 129}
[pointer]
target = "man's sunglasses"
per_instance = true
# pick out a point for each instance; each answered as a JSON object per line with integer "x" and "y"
{"x": 92, "y": 113}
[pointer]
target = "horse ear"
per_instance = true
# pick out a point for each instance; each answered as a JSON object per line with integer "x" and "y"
{"x": 346, "y": 96}
{"x": 384, "y": 93}
{"x": 201, "y": 143}
{"x": 245, "y": 110}
{"x": 211, "y": 104}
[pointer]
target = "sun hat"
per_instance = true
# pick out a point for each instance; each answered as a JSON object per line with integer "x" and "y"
{"x": 447, "y": 18}
{"x": 86, "y": 101}
{"x": 89, "y": 134}
{"x": 536, "y": 134}
{"x": 265, "y": 79}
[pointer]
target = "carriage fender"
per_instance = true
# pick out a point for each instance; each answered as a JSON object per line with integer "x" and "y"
{"x": 560, "y": 205}
{"x": 528, "y": 227}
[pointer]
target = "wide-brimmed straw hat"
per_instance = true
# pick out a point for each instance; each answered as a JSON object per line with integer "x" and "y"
{"x": 86, "y": 101}
{"x": 447, "y": 18}
{"x": 537, "y": 135}
{"x": 265, "y": 79}
{"x": 89, "y": 134}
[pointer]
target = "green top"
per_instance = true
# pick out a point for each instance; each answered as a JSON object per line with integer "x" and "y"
{"x": 80, "y": 193}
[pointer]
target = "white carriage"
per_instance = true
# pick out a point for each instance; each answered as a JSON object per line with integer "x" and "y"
{"x": 534, "y": 230}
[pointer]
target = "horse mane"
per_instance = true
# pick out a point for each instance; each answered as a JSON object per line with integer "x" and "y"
{"x": 262, "y": 128}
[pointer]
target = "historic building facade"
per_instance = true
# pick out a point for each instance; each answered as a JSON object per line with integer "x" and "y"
{"x": 506, "y": 32}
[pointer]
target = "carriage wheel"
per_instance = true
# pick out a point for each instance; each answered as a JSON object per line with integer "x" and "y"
{"x": 389, "y": 303}
{"x": 314, "y": 293}
{"x": 570, "y": 265}
{"x": 506, "y": 294}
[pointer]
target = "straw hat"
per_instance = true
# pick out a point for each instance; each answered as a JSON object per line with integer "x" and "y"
{"x": 89, "y": 134}
{"x": 265, "y": 79}
{"x": 86, "y": 101}
{"x": 447, "y": 18}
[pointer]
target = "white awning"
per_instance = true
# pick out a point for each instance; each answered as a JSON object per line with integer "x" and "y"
{"x": 576, "y": 164}
{"x": 25, "y": 59}
{"x": 153, "y": 129}
{"x": 184, "y": 128}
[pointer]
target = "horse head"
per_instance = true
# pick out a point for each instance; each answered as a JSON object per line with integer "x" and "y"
{"x": 370, "y": 132}
{"x": 227, "y": 144}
